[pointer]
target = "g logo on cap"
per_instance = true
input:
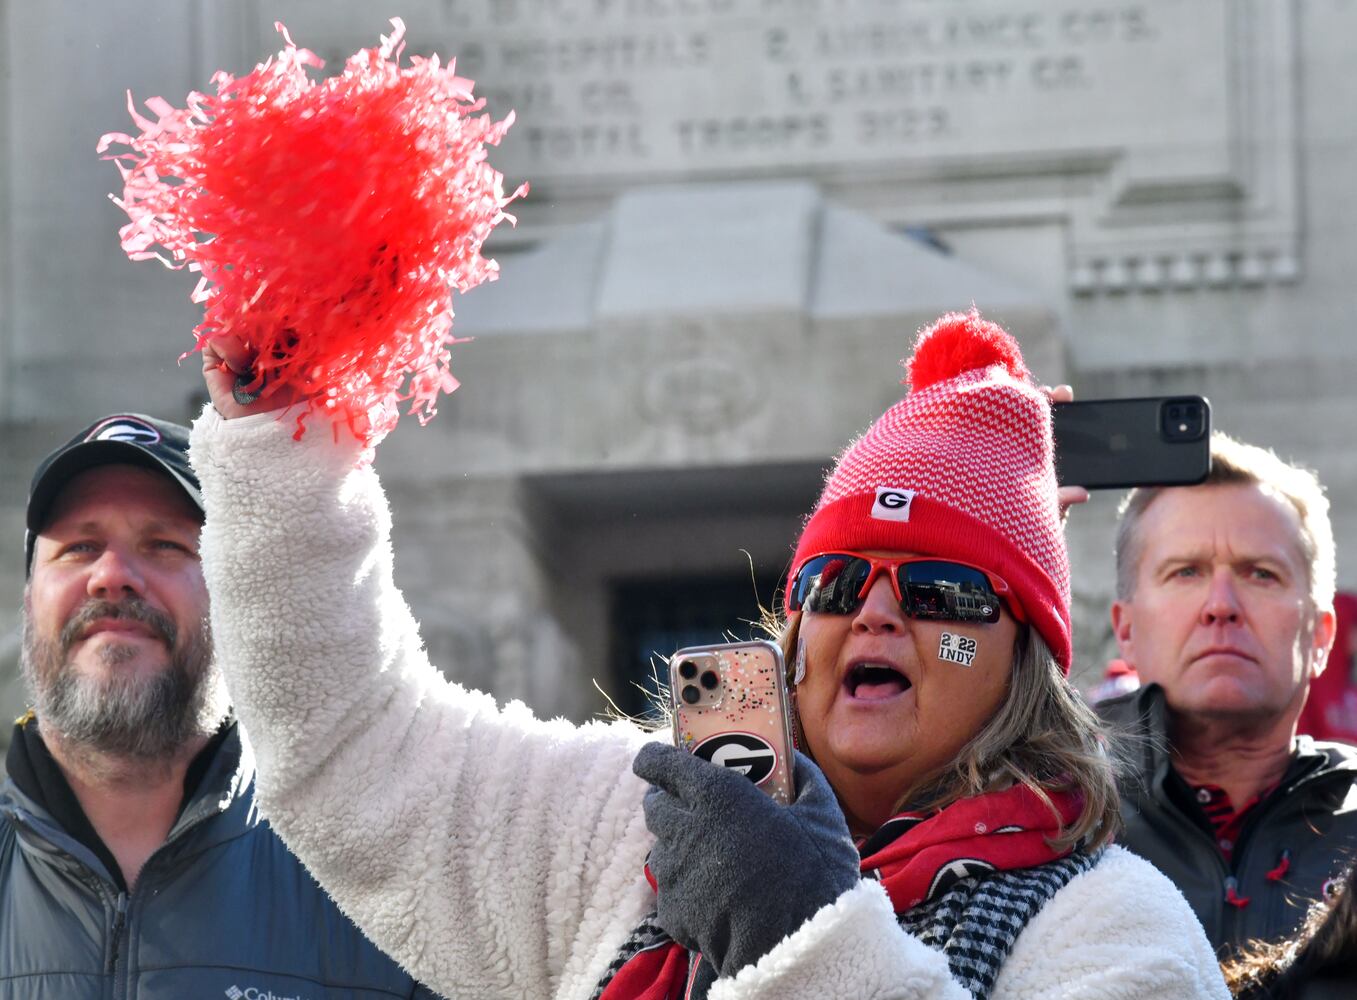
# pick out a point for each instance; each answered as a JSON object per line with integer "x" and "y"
{"x": 892, "y": 503}
{"x": 128, "y": 429}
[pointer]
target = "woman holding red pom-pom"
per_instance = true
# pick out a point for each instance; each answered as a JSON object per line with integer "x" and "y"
{"x": 949, "y": 833}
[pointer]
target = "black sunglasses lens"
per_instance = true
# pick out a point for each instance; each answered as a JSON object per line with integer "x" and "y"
{"x": 829, "y": 584}
{"x": 947, "y": 591}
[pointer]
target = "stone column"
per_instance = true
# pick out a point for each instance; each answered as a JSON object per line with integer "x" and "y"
{"x": 471, "y": 559}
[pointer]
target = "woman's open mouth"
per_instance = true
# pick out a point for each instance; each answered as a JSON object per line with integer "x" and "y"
{"x": 875, "y": 682}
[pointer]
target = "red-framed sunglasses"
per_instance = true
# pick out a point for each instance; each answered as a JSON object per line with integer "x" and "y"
{"x": 929, "y": 589}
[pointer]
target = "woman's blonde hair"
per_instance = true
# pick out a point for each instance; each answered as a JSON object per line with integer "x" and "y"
{"x": 1043, "y": 736}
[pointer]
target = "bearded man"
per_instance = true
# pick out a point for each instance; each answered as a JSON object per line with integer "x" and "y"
{"x": 132, "y": 858}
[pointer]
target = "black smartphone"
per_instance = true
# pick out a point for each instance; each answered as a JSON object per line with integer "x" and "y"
{"x": 1148, "y": 441}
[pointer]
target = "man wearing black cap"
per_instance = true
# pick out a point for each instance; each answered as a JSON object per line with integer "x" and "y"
{"x": 132, "y": 859}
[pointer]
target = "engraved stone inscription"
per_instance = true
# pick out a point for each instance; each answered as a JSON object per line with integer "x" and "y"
{"x": 613, "y": 89}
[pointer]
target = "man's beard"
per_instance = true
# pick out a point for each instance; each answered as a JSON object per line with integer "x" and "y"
{"x": 146, "y": 717}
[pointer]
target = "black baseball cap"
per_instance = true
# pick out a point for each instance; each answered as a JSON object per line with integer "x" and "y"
{"x": 121, "y": 439}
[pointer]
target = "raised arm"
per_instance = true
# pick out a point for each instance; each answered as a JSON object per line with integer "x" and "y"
{"x": 491, "y": 853}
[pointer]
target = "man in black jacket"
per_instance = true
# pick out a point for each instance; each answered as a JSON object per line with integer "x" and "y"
{"x": 132, "y": 860}
{"x": 1225, "y": 609}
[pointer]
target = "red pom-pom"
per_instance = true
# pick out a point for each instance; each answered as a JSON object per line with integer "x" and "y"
{"x": 962, "y": 342}
{"x": 330, "y": 220}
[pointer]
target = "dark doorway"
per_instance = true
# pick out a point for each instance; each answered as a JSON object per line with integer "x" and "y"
{"x": 652, "y": 618}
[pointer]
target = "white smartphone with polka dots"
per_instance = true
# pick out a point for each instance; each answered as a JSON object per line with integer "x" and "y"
{"x": 730, "y": 707}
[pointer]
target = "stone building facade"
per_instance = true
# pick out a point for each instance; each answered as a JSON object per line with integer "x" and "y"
{"x": 740, "y": 212}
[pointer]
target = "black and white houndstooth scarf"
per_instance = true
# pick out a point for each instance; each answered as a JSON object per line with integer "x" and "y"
{"x": 976, "y": 922}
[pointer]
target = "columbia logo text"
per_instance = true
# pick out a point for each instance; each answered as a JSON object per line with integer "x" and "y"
{"x": 234, "y": 992}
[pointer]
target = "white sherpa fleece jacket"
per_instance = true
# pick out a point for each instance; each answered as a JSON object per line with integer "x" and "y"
{"x": 496, "y": 855}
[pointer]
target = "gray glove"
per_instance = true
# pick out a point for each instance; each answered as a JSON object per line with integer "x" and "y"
{"x": 736, "y": 872}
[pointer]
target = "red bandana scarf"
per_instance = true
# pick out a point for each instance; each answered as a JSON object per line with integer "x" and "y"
{"x": 915, "y": 856}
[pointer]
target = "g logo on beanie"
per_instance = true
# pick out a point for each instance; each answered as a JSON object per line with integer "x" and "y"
{"x": 892, "y": 504}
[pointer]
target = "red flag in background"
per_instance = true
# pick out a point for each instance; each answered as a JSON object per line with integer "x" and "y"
{"x": 1330, "y": 713}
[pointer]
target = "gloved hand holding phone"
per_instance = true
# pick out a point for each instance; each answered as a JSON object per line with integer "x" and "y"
{"x": 736, "y": 872}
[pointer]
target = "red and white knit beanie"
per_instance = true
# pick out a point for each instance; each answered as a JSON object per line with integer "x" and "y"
{"x": 961, "y": 468}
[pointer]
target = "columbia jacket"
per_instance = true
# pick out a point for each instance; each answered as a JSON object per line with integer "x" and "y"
{"x": 1292, "y": 843}
{"x": 222, "y": 911}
